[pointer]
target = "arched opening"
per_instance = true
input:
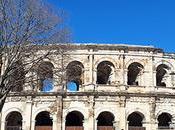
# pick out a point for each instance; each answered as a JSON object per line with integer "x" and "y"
{"x": 105, "y": 121}
{"x": 135, "y": 120}
{"x": 74, "y": 121}
{"x": 105, "y": 72}
{"x": 14, "y": 121}
{"x": 135, "y": 72}
{"x": 43, "y": 121}
{"x": 74, "y": 75}
{"x": 17, "y": 77}
{"x": 45, "y": 74}
{"x": 164, "y": 121}
{"x": 162, "y": 75}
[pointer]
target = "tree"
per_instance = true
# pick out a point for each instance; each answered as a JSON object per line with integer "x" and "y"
{"x": 25, "y": 27}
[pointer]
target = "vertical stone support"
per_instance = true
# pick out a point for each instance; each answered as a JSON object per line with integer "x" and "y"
{"x": 33, "y": 125}
{"x": 91, "y": 114}
{"x": 122, "y": 115}
{"x": 58, "y": 115}
{"x": 27, "y": 119}
{"x": 152, "y": 119}
{"x": 125, "y": 77}
{"x": 89, "y": 123}
{"x": 95, "y": 124}
{"x": 3, "y": 123}
{"x": 154, "y": 78}
{"x": 54, "y": 120}
{"x": 85, "y": 124}
{"x": 91, "y": 67}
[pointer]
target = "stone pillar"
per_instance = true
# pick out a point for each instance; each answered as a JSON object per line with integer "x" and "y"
{"x": 85, "y": 124}
{"x": 24, "y": 125}
{"x": 154, "y": 78}
{"x": 95, "y": 124}
{"x": 152, "y": 118}
{"x": 3, "y": 123}
{"x": 54, "y": 120}
{"x": 28, "y": 114}
{"x": 127, "y": 125}
{"x": 63, "y": 124}
{"x": 125, "y": 77}
{"x": 90, "y": 67}
{"x": 122, "y": 116}
{"x": 33, "y": 125}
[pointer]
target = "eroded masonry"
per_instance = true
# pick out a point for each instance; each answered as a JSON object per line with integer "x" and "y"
{"x": 96, "y": 87}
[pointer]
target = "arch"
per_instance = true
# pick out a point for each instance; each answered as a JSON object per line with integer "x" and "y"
{"x": 135, "y": 72}
{"x": 74, "y": 118}
{"x": 13, "y": 120}
{"x": 116, "y": 64}
{"x": 43, "y": 121}
{"x": 165, "y": 63}
{"x": 81, "y": 110}
{"x": 99, "y": 110}
{"x": 45, "y": 75}
{"x": 105, "y": 118}
{"x": 74, "y": 75}
{"x": 164, "y": 120}
{"x": 11, "y": 110}
{"x": 140, "y": 61}
{"x": 138, "y": 110}
{"x": 39, "y": 110}
{"x": 105, "y": 72}
{"x": 165, "y": 111}
{"x": 135, "y": 119}
{"x": 163, "y": 77}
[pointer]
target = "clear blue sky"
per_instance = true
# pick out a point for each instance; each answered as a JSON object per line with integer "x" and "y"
{"x": 144, "y": 22}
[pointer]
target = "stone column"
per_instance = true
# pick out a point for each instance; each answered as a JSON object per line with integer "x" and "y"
{"x": 24, "y": 126}
{"x": 122, "y": 103}
{"x": 154, "y": 78}
{"x": 125, "y": 78}
{"x": 85, "y": 124}
{"x": 28, "y": 114}
{"x": 90, "y": 66}
{"x": 33, "y": 125}
{"x": 95, "y": 124}
{"x": 127, "y": 125}
{"x": 54, "y": 120}
{"x": 3, "y": 123}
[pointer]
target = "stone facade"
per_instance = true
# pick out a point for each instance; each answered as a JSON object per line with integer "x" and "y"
{"x": 118, "y": 86}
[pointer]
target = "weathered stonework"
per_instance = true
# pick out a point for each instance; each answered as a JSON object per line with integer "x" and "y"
{"x": 145, "y": 95}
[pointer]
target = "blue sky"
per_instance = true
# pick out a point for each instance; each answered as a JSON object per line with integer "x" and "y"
{"x": 143, "y": 22}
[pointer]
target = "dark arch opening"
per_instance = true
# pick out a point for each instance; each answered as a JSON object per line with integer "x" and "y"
{"x": 135, "y": 119}
{"x": 164, "y": 120}
{"x": 134, "y": 70}
{"x": 161, "y": 72}
{"x": 14, "y": 121}
{"x": 105, "y": 119}
{"x": 104, "y": 72}
{"x": 45, "y": 73}
{"x": 43, "y": 119}
{"x": 74, "y": 75}
{"x": 74, "y": 118}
